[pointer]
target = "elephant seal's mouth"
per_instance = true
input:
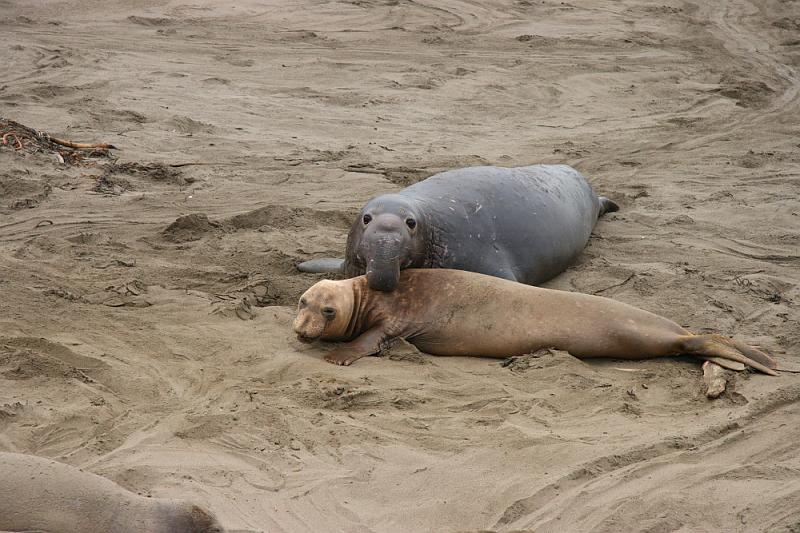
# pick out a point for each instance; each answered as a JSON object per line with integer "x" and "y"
{"x": 302, "y": 337}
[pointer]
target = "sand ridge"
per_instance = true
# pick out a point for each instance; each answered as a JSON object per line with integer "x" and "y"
{"x": 146, "y": 308}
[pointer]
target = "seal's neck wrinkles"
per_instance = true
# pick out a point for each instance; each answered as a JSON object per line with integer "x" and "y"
{"x": 436, "y": 252}
{"x": 359, "y": 317}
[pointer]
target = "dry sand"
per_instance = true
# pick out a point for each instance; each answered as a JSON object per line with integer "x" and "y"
{"x": 162, "y": 357}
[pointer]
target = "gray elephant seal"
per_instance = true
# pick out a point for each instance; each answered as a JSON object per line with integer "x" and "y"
{"x": 42, "y": 495}
{"x": 524, "y": 224}
{"x": 452, "y": 312}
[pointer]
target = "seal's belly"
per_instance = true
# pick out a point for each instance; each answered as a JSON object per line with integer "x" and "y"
{"x": 496, "y": 350}
{"x": 484, "y": 340}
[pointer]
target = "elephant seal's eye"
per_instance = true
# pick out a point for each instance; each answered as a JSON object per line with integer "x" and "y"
{"x": 411, "y": 223}
{"x": 367, "y": 219}
{"x": 328, "y": 312}
{"x": 303, "y": 303}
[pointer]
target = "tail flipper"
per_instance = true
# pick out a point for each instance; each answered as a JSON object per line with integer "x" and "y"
{"x": 607, "y": 206}
{"x": 325, "y": 265}
{"x": 724, "y": 363}
{"x": 716, "y": 346}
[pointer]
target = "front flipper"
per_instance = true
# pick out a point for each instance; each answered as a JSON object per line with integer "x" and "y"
{"x": 368, "y": 343}
{"x": 325, "y": 265}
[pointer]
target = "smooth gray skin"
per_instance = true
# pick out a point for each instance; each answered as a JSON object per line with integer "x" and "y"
{"x": 525, "y": 224}
{"x": 41, "y": 495}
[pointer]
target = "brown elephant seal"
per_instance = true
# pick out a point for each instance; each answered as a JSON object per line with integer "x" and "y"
{"x": 524, "y": 224}
{"x": 453, "y": 312}
{"x": 38, "y": 494}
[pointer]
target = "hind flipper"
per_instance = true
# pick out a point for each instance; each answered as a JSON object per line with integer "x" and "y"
{"x": 706, "y": 346}
{"x": 747, "y": 351}
{"x": 607, "y": 206}
{"x": 753, "y": 353}
{"x": 725, "y": 363}
{"x": 325, "y": 265}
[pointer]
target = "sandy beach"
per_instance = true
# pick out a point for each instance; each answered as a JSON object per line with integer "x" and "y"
{"x": 146, "y": 303}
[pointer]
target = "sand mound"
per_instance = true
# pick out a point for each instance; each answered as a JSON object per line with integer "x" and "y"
{"x": 189, "y": 228}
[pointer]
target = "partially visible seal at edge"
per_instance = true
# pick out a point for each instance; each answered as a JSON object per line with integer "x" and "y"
{"x": 38, "y": 494}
